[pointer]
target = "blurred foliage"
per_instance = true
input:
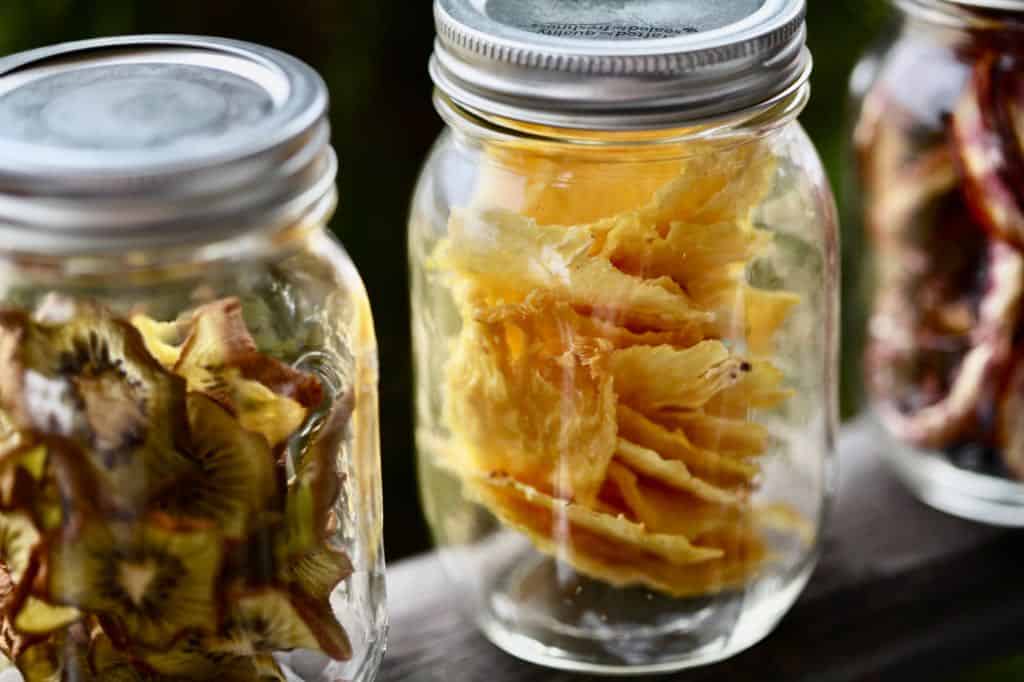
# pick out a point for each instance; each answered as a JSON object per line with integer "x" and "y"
{"x": 374, "y": 54}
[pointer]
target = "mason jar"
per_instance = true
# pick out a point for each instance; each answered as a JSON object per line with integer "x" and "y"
{"x": 189, "y": 465}
{"x": 942, "y": 170}
{"x": 624, "y": 273}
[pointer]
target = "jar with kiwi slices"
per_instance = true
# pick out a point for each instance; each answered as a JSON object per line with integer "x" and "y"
{"x": 189, "y": 454}
{"x": 942, "y": 169}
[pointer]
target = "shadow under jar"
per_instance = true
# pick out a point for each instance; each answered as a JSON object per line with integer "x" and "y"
{"x": 189, "y": 459}
{"x": 624, "y": 308}
{"x": 942, "y": 168}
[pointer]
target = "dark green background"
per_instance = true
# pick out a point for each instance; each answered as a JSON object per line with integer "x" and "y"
{"x": 373, "y": 54}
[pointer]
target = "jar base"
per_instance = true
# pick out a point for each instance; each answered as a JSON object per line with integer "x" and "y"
{"x": 700, "y": 632}
{"x": 934, "y": 480}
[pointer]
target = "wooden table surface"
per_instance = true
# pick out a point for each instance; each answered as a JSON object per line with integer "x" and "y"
{"x": 902, "y": 593}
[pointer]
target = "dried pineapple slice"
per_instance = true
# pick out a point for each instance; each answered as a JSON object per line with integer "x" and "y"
{"x": 673, "y": 474}
{"x": 709, "y": 464}
{"x": 521, "y": 506}
{"x": 545, "y": 418}
{"x": 760, "y": 388}
{"x": 653, "y": 379}
{"x": 667, "y": 511}
{"x": 728, "y": 437}
{"x": 512, "y": 256}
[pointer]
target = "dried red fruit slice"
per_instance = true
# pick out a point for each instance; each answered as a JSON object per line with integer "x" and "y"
{"x": 987, "y": 155}
{"x": 940, "y": 423}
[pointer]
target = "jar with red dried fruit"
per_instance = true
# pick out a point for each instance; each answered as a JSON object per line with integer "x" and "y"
{"x": 189, "y": 465}
{"x": 940, "y": 144}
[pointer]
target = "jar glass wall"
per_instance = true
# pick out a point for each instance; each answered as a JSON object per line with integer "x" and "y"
{"x": 625, "y": 355}
{"x": 942, "y": 166}
{"x": 189, "y": 466}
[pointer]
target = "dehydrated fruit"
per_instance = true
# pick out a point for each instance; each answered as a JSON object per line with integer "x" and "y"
{"x": 235, "y": 475}
{"x": 316, "y": 486}
{"x": 62, "y": 658}
{"x": 514, "y": 256}
{"x": 270, "y": 620}
{"x": 984, "y": 153}
{"x": 672, "y": 474}
{"x": 84, "y": 375}
{"x": 516, "y": 504}
{"x": 163, "y": 339}
{"x": 36, "y": 617}
{"x": 156, "y": 580}
{"x": 654, "y": 379}
{"x": 220, "y": 358}
{"x": 506, "y": 406}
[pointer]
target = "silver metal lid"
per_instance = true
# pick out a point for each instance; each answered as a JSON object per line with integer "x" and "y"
{"x": 155, "y": 141}
{"x": 619, "y": 64}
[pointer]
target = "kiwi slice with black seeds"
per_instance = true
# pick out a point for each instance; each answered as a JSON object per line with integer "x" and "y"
{"x": 315, "y": 571}
{"x": 270, "y": 620}
{"x": 234, "y": 475}
{"x": 82, "y": 374}
{"x": 155, "y": 580}
{"x": 61, "y": 658}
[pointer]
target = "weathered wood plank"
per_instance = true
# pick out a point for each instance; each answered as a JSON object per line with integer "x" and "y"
{"x": 901, "y": 591}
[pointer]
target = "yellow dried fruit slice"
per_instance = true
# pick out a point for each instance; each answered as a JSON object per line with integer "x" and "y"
{"x": 511, "y": 256}
{"x": 674, "y": 445}
{"x": 220, "y": 359}
{"x": 673, "y": 474}
{"x": 529, "y": 510}
{"x": 667, "y": 511}
{"x": 557, "y": 319}
{"x": 163, "y": 339}
{"x": 663, "y": 377}
{"x": 728, "y": 437}
{"x": 515, "y": 408}
{"x": 36, "y": 617}
{"x": 761, "y": 388}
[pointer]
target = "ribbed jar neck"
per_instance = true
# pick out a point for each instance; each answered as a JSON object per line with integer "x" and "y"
{"x": 490, "y": 129}
{"x": 950, "y": 16}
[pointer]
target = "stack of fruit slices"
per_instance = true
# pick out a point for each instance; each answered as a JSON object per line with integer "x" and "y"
{"x": 945, "y": 359}
{"x": 600, "y": 393}
{"x": 148, "y": 529}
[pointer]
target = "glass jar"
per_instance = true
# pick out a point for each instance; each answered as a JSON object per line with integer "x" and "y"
{"x": 189, "y": 458}
{"x": 942, "y": 168}
{"x": 624, "y": 311}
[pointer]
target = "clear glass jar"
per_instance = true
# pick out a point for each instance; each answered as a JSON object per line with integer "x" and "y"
{"x": 626, "y": 380}
{"x": 189, "y": 459}
{"x": 942, "y": 168}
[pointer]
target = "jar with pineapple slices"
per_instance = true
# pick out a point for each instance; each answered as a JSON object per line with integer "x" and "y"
{"x": 624, "y": 268}
{"x": 189, "y": 474}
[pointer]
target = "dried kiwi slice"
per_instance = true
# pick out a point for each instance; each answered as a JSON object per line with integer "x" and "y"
{"x": 155, "y": 579}
{"x": 192, "y": 658}
{"x": 271, "y": 620}
{"x": 235, "y": 474}
{"x": 80, "y": 373}
{"x": 163, "y": 339}
{"x": 315, "y": 571}
{"x": 62, "y": 658}
{"x": 316, "y": 486}
{"x": 36, "y": 617}
{"x": 220, "y": 358}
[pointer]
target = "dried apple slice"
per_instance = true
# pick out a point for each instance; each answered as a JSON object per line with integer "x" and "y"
{"x": 984, "y": 154}
{"x": 1011, "y": 423}
{"x": 156, "y": 580}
